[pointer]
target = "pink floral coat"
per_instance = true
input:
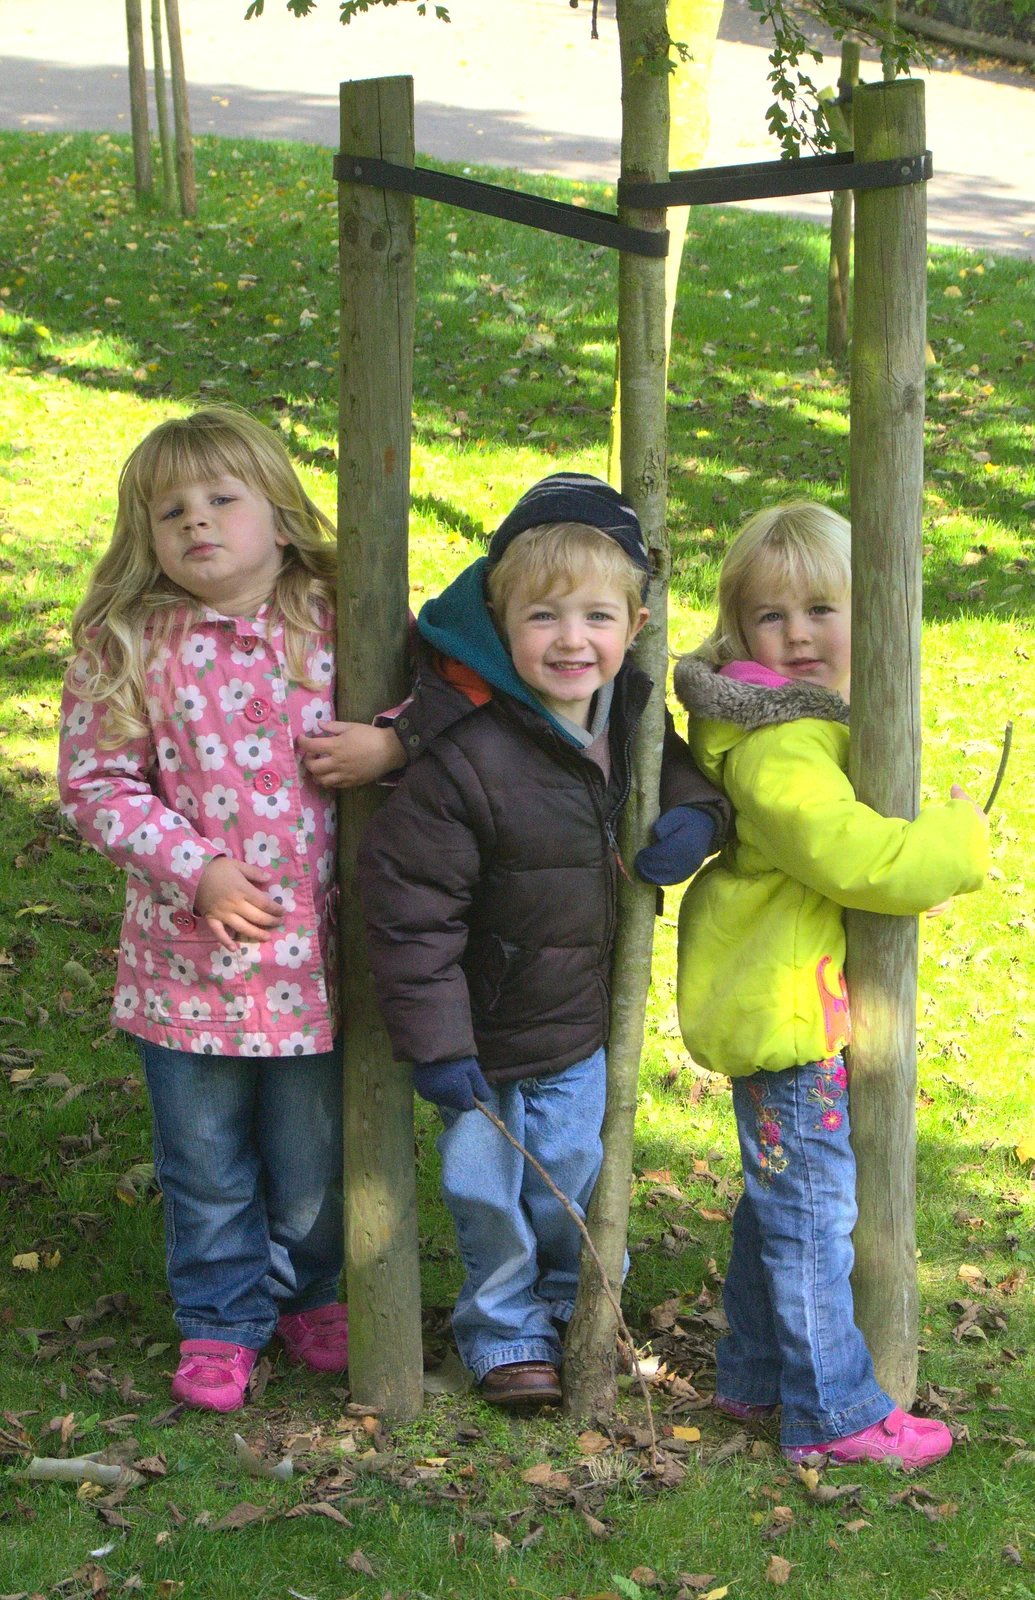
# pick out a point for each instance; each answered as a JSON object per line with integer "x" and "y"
{"x": 218, "y": 773}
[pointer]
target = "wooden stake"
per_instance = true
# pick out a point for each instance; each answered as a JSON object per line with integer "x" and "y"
{"x": 839, "y": 120}
{"x": 378, "y": 294}
{"x": 181, "y": 112}
{"x": 884, "y": 762}
{"x": 143, "y": 181}
{"x": 590, "y": 1387}
{"x": 165, "y": 138}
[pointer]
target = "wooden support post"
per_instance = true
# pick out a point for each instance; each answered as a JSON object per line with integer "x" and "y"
{"x": 181, "y": 112}
{"x": 378, "y": 293}
{"x": 142, "y": 179}
{"x": 165, "y": 137}
{"x": 884, "y": 764}
{"x": 839, "y": 120}
{"x": 590, "y": 1388}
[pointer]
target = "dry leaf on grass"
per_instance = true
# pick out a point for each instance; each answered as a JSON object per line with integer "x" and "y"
{"x": 1012, "y": 1555}
{"x": 711, "y": 1215}
{"x": 28, "y": 1261}
{"x": 778, "y": 1570}
{"x": 543, "y": 1476}
{"x": 240, "y": 1516}
{"x": 696, "y": 1580}
{"x": 500, "y": 1543}
{"x": 1020, "y": 1458}
{"x": 598, "y": 1529}
{"x": 857, "y": 1525}
{"x": 973, "y": 1277}
{"x": 646, "y": 1577}
{"x": 255, "y": 1467}
{"x": 591, "y": 1443}
{"x": 689, "y": 1435}
{"x": 358, "y": 1562}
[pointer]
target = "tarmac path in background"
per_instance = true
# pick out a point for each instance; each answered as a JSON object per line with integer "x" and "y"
{"x": 546, "y": 100}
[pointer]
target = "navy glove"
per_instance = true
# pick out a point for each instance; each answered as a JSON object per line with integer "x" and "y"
{"x": 684, "y": 838}
{"x": 456, "y": 1084}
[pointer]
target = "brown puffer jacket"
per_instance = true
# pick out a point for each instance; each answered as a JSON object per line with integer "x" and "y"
{"x": 488, "y": 880}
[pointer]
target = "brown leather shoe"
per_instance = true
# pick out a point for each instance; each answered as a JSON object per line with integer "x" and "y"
{"x": 522, "y": 1383}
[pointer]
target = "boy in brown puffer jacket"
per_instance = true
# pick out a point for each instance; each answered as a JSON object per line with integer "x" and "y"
{"x": 488, "y": 883}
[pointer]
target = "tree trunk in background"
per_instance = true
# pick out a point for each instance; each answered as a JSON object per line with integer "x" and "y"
{"x": 142, "y": 179}
{"x": 839, "y": 121}
{"x": 181, "y": 113}
{"x": 887, "y": 479}
{"x": 694, "y": 23}
{"x": 590, "y": 1388}
{"x": 165, "y": 138}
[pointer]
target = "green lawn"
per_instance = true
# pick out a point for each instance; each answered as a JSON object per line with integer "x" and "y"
{"x": 112, "y": 318}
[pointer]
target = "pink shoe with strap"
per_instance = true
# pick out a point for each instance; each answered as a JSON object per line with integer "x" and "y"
{"x": 743, "y": 1410}
{"x": 320, "y": 1338}
{"x": 915, "y": 1441}
{"x": 212, "y": 1375}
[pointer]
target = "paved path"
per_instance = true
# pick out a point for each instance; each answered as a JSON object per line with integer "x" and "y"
{"x": 545, "y": 99}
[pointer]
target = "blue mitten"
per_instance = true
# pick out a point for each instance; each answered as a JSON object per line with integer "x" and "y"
{"x": 456, "y": 1084}
{"x": 684, "y": 836}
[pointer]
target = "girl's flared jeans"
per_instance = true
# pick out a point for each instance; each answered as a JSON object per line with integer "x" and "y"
{"x": 788, "y": 1296}
{"x": 519, "y": 1245}
{"x": 248, "y": 1152}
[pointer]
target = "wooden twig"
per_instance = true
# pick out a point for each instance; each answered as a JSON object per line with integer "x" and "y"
{"x": 1001, "y": 774}
{"x": 605, "y": 1282}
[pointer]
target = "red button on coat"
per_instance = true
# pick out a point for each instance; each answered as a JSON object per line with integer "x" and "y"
{"x": 184, "y": 921}
{"x": 267, "y": 781}
{"x": 258, "y": 710}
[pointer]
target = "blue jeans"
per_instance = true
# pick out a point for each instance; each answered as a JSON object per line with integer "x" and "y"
{"x": 520, "y": 1247}
{"x": 248, "y": 1152}
{"x": 788, "y": 1295}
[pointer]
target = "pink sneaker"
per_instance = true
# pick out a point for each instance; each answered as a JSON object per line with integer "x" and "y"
{"x": 320, "y": 1338}
{"x": 742, "y": 1409}
{"x": 915, "y": 1441}
{"x": 212, "y": 1376}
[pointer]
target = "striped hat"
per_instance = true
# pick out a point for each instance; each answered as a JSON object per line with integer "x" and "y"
{"x": 574, "y": 497}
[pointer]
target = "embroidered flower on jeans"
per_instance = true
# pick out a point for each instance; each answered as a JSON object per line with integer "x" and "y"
{"x": 769, "y": 1132}
{"x": 832, "y": 1120}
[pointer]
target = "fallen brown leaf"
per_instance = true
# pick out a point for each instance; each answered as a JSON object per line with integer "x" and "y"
{"x": 240, "y": 1516}
{"x": 778, "y": 1570}
{"x": 358, "y": 1562}
{"x": 599, "y": 1530}
{"x": 1012, "y": 1555}
{"x": 857, "y": 1525}
{"x": 696, "y": 1580}
{"x": 591, "y": 1443}
{"x": 646, "y": 1577}
{"x": 500, "y": 1543}
{"x": 711, "y": 1215}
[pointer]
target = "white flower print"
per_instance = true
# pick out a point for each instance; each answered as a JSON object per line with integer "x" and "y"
{"x": 145, "y": 912}
{"x": 184, "y": 971}
{"x": 307, "y": 822}
{"x": 220, "y": 802}
{"x": 160, "y": 660}
{"x": 272, "y": 805}
{"x": 127, "y": 999}
{"x": 253, "y": 752}
{"x": 166, "y": 925}
{"x": 298, "y": 1044}
{"x": 262, "y": 850}
{"x": 292, "y": 950}
{"x": 128, "y": 951}
{"x": 246, "y": 658}
{"x": 194, "y": 1010}
{"x": 149, "y": 963}
{"x": 171, "y": 820}
{"x": 256, "y": 1044}
{"x": 211, "y": 752}
{"x": 233, "y": 695}
{"x": 324, "y": 868}
{"x": 239, "y": 1007}
{"x": 198, "y": 651}
{"x": 321, "y": 666}
{"x": 109, "y": 825}
{"x": 154, "y": 1006}
{"x": 78, "y": 719}
{"x": 315, "y": 714}
{"x": 283, "y": 997}
{"x": 187, "y": 801}
{"x": 132, "y": 896}
{"x": 283, "y": 894}
{"x": 248, "y": 955}
{"x": 321, "y": 988}
{"x": 186, "y": 858}
{"x": 175, "y": 897}
{"x": 144, "y": 841}
{"x": 84, "y": 763}
{"x": 189, "y": 703}
{"x": 207, "y": 1044}
{"x": 279, "y": 691}
{"x": 224, "y": 963}
{"x": 123, "y": 761}
{"x": 330, "y": 817}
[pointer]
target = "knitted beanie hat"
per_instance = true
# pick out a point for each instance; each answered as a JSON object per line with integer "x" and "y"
{"x": 574, "y": 497}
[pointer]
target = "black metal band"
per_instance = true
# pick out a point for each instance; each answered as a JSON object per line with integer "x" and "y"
{"x": 764, "y": 180}
{"x": 551, "y": 216}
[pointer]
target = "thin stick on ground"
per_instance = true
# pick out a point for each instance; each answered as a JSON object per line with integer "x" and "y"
{"x": 605, "y": 1282}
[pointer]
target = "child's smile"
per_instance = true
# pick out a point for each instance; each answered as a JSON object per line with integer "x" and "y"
{"x": 801, "y": 635}
{"x": 567, "y": 646}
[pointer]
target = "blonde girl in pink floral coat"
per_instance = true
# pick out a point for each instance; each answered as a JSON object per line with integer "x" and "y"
{"x": 199, "y": 752}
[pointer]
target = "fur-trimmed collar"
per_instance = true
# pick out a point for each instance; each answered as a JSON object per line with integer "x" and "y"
{"x": 705, "y": 693}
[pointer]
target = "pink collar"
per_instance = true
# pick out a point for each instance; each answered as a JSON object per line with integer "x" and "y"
{"x": 753, "y": 672}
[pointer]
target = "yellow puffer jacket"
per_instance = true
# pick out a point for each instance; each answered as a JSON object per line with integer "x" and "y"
{"x": 761, "y": 935}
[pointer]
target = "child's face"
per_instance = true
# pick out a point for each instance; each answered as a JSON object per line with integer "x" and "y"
{"x": 567, "y": 646}
{"x": 218, "y": 539}
{"x": 800, "y": 635}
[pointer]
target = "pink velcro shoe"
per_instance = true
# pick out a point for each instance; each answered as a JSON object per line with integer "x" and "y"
{"x": 742, "y": 1409}
{"x": 915, "y": 1441}
{"x": 320, "y": 1338}
{"x": 212, "y": 1376}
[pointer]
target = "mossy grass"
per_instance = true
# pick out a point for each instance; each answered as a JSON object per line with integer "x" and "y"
{"x": 112, "y": 318}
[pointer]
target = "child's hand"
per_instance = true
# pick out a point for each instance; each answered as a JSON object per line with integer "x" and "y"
{"x": 940, "y": 908}
{"x": 347, "y": 754}
{"x": 229, "y": 896}
{"x": 957, "y": 792}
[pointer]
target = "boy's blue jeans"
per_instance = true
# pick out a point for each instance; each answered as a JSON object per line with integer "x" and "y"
{"x": 788, "y": 1295}
{"x": 248, "y": 1152}
{"x": 520, "y": 1247}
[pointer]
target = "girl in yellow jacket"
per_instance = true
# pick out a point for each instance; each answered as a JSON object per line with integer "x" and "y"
{"x": 761, "y": 986}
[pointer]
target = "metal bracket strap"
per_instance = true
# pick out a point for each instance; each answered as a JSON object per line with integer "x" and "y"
{"x": 551, "y": 216}
{"x": 763, "y": 180}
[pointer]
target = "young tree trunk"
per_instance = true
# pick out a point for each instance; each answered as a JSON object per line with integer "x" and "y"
{"x": 884, "y": 760}
{"x": 181, "y": 112}
{"x": 165, "y": 138}
{"x": 694, "y": 23}
{"x": 839, "y": 120}
{"x": 589, "y": 1365}
{"x": 142, "y": 179}
{"x": 378, "y": 297}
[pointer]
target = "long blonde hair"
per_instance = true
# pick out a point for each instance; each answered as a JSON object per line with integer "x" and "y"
{"x": 804, "y": 543}
{"x": 130, "y": 606}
